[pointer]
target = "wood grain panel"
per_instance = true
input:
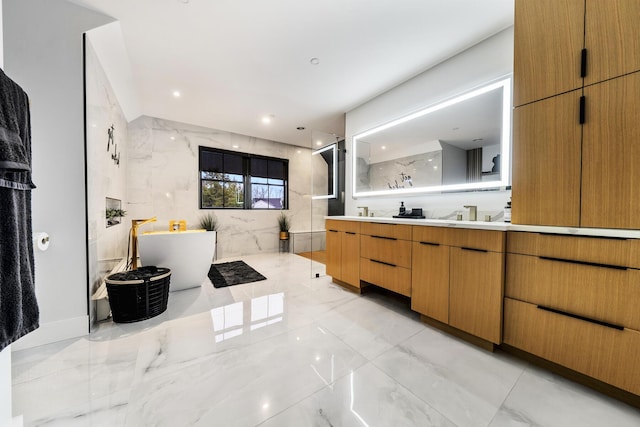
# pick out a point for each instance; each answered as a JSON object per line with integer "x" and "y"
{"x": 604, "y": 353}
{"x": 441, "y": 235}
{"x": 546, "y": 162}
{"x": 351, "y": 258}
{"x": 476, "y": 293}
{"x": 396, "y": 279}
{"x": 397, "y": 231}
{"x": 611, "y": 153}
{"x": 600, "y": 250}
{"x": 494, "y": 241}
{"x": 338, "y": 225}
{"x": 548, "y": 39}
{"x": 599, "y": 293}
{"x": 397, "y": 252}
{"x": 430, "y": 280}
{"x": 334, "y": 254}
{"x": 611, "y": 38}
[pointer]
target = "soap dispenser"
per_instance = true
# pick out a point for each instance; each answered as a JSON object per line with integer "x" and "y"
{"x": 507, "y": 212}
{"x": 402, "y": 209}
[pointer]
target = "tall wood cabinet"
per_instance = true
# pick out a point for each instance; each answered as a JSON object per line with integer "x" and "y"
{"x": 575, "y": 87}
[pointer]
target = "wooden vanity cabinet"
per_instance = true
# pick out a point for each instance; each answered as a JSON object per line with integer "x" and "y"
{"x": 385, "y": 256}
{"x": 457, "y": 278}
{"x": 430, "y": 272}
{"x": 343, "y": 251}
{"x": 573, "y": 300}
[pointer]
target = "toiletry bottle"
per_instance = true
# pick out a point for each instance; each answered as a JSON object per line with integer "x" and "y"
{"x": 507, "y": 212}
{"x": 402, "y": 208}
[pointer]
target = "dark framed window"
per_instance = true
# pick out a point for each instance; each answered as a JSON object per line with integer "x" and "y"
{"x": 231, "y": 180}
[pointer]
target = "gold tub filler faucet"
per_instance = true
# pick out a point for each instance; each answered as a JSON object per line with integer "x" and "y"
{"x": 135, "y": 223}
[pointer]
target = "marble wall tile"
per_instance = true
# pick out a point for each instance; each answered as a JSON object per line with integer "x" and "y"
{"x": 163, "y": 181}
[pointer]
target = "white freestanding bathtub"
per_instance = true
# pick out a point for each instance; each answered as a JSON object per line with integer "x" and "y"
{"x": 187, "y": 253}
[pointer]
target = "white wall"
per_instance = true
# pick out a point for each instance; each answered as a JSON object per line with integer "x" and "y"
{"x": 43, "y": 53}
{"x": 486, "y": 61}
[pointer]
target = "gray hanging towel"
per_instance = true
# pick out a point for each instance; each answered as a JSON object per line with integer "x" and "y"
{"x": 19, "y": 312}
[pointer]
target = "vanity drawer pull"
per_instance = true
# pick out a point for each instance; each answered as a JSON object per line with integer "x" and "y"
{"x": 586, "y": 319}
{"x": 350, "y": 232}
{"x": 384, "y": 237}
{"x": 473, "y": 249}
{"x": 384, "y": 263}
{"x": 430, "y": 243}
{"x": 584, "y": 236}
{"x": 333, "y": 231}
{"x": 592, "y": 264}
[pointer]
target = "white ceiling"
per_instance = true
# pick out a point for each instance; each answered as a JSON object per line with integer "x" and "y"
{"x": 235, "y": 61}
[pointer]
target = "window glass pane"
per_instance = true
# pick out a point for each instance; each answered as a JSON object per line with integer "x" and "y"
{"x": 211, "y": 194}
{"x": 233, "y": 177}
{"x": 233, "y": 195}
{"x": 258, "y": 180}
{"x": 260, "y": 196}
{"x": 276, "y": 197}
{"x": 276, "y": 181}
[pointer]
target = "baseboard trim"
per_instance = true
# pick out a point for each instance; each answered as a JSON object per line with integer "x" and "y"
{"x": 51, "y": 332}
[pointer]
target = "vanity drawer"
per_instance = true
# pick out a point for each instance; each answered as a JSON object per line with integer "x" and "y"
{"x": 394, "y": 278}
{"x": 347, "y": 226}
{"x": 392, "y": 231}
{"x": 432, "y": 235}
{"x": 599, "y": 250}
{"x": 494, "y": 241}
{"x": 391, "y": 251}
{"x": 598, "y": 351}
{"x": 601, "y": 293}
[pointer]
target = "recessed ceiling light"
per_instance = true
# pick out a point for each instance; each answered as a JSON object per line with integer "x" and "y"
{"x": 314, "y": 61}
{"x": 173, "y": 138}
{"x": 266, "y": 120}
{"x": 318, "y": 142}
{"x": 235, "y": 146}
{"x": 384, "y": 147}
{"x": 299, "y": 151}
{"x": 176, "y": 93}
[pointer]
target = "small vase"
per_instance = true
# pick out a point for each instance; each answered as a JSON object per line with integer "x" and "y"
{"x": 284, "y": 235}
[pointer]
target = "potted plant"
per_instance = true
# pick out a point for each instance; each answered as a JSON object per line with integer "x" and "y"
{"x": 284, "y": 223}
{"x": 113, "y": 216}
{"x": 209, "y": 222}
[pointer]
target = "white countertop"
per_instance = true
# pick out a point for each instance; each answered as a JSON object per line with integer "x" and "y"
{"x": 498, "y": 226}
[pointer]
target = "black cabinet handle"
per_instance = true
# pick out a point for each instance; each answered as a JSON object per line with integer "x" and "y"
{"x": 583, "y": 236}
{"x": 586, "y": 319}
{"x": 430, "y": 243}
{"x": 333, "y": 231}
{"x": 591, "y": 264}
{"x": 350, "y": 232}
{"x": 583, "y": 63}
{"x": 384, "y": 237}
{"x": 582, "y": 110}
{"x": 464, "y": 248}
{"x": 384, "y": 263}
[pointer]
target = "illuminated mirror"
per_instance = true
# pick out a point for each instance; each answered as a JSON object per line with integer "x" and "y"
{"x": 325, "y": 162}
{"x": 460, "y": 144}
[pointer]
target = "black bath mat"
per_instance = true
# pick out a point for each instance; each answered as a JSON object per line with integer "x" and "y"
{"x": 233, "y": 273}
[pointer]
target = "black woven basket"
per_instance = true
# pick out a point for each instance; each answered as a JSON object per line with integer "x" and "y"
{"x": 138, "y": 294}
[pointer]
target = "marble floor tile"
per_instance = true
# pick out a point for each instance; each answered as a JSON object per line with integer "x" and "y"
{"x": 292, "y": 350}
{"x": 365, "y": 397}
{"x": 244, "y": 386}
{"x": 542, "y": 399}
{"x": 464, "y": 383}
{"x": 369, "y": 326}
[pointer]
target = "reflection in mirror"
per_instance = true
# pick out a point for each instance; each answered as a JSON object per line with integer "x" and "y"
{"x": 325, "y": 162}
{"x": 458, "y": 145}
